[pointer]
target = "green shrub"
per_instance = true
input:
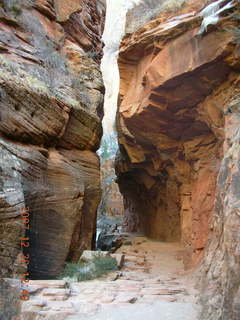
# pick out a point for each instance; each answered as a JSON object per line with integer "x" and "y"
{"x": 105, "y": 264}
{"x": 17, "y": 10}
{"x": 173, "y": 5}
{"x": 236, "y": 31}
{"x": 84, "y": 271}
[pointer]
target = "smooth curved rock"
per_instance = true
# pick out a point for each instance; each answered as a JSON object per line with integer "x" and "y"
{"x": 51, "y": 99}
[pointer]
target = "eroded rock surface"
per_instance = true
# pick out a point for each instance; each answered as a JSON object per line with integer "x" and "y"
{"x": 112, "y": 202}
{"x": 220, "y": 270}
{"x": 174, "y": 128}
{"x": 10, "y": 304}
{"x": 51, "y": 96}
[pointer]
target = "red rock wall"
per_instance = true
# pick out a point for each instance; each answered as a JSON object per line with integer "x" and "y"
{"x": 220, "y": 268}
{"x": 51, "y": 96}
{"x": 178, "y": 128}
{"x": 112, "y": 201}
{"x": 171, "y": 127}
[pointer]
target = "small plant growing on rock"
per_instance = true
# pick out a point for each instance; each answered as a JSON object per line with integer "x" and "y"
{"x": 84, "y": 271}
{"x": 105, "y": 264}
{"x": 237, "y": 30}
{"x": 17, "y": 10}
{"x": 173, "y": 5}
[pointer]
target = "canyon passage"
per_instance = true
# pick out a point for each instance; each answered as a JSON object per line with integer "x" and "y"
{"x": 119, "y": 133}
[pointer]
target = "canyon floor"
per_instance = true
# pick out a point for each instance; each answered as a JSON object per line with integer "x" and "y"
{"x": 152, "y": 284}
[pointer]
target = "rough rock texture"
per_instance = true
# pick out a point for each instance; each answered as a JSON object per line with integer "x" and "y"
{"x": 51, "y": 95}
{"x": 110, "y": 210}
{"x": 146, "y": 10}
{"x": 220, "y": 270}
{"x": 112, "y": 201}
{"x": 179, "y": 137}
{"x": 175, "y": 86}
{"x": 158, "y": 11}
{"x": 10, "y": 304}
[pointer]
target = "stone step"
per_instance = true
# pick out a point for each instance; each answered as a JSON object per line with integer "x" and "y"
{"x": 48, "y": 283}
{"x": 160, "y": 291}
{"x": 133, "y": 286}
{"x": 56, "y": 294}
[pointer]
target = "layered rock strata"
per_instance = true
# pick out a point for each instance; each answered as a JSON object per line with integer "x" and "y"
{"x": 175, "y": 86}
{"x": 179, "y": 138}
{"x": 51, "y": 99}
{"x": 220, "y": 269}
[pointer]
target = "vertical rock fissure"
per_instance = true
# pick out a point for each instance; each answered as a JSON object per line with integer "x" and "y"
{"x": 113, "y": 33}
{"x": 111, "y": 206}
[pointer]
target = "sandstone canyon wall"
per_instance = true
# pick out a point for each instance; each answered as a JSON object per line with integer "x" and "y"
{"x": 112, "y": 202}
{"x": 146, "y": 10}
{"x": 51, "y": 98}
{"x": 221, "y": 265}
{"x": 178, "y": 124}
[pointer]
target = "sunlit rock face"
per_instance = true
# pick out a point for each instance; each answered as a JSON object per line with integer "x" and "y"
{"x": 171, "y": 151}
{"x": 50, "y": 124}
{"x": 147, "y": 10}
{"x": 122, "y": 16}
{"x": 112, "y": 202}
{"x": 220, "y": 269}
{"x": 177, "y": 168}
{"x": 113, "y": 33}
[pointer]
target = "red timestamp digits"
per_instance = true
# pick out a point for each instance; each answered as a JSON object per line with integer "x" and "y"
{"x": 24, "y": 295}
{"x": 25, "y": 242}
{"x": 25, "y": 257}
{"x": 25, "y": 218}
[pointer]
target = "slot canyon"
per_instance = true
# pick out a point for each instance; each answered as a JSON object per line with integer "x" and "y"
{"x": 165, "y": 187}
